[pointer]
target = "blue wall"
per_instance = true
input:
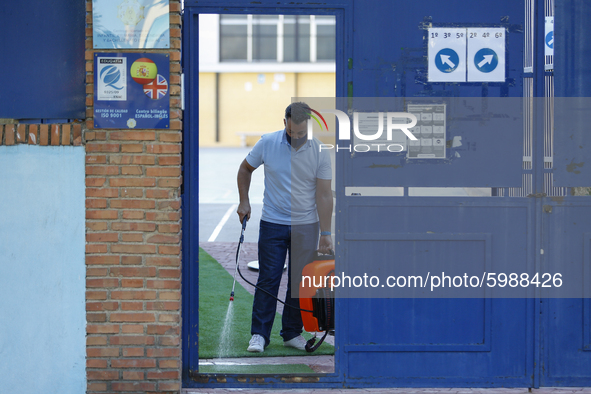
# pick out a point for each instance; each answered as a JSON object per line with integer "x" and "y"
{"x": 43, "y": 65}
{"x": 42, "y": 271}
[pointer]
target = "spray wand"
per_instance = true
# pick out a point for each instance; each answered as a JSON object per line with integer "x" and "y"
{"x": 250, "y": 283}
{"x": 244, "y": 220}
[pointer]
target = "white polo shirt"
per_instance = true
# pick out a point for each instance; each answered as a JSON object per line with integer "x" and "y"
{"x": 290, "y": 177}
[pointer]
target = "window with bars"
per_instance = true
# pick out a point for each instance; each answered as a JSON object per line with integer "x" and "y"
{"x": 277, "y": 38}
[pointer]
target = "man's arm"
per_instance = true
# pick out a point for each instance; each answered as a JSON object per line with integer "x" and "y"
{"x": 244, "y": 176}
{"x": 324, "y": 206}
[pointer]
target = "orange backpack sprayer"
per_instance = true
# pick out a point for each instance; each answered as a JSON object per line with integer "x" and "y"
{"x": 317, "y": 299}
{"x": 316, "y": 303}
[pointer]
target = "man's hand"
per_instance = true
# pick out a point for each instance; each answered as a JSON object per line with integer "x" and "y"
{"x": 325, "y": 244}
{"x": 243, "y": 210}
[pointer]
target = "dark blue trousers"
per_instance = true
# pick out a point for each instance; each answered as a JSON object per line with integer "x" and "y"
{"x": 276, "y": 241}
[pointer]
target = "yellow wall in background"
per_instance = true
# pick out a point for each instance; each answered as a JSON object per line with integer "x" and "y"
{"x": 251, "y": 102}
{"x": 316, "y": 85}
{"x": 319, "y": 85}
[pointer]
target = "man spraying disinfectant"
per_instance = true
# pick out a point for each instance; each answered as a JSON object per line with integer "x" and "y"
{"x": 297, "y": 208}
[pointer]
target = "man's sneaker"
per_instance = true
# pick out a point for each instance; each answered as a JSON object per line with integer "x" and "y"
{"x": 256, "y": 344}
{"x": 298, "y": 342}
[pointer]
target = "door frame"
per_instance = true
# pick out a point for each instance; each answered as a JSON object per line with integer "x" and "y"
{"x": 343, "y": 11}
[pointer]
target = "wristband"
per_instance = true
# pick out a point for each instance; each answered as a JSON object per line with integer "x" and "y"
{"x": 325, "y": 233}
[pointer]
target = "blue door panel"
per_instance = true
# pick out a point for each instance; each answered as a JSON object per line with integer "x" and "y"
{"x": 407, "y": 324}
{"x": 567, "y": 347}
{"x": 419, "y": 257}
{"x": 572, "y": 76}
{"x": 568, "y": 247}
{"x": 567, "y": 321}
{"x": 430, "y": 341}
{"x": 400, "y": 341}
{"x": 477, "y": 239}
{"x": 489, "y": 367}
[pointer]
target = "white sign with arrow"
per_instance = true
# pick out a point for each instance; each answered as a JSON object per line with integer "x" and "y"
{"x": 549, "y": 42}
{"x": 486, "y": 54}
{"x": 487, "y": 60}
{"x": 447, "y": 54}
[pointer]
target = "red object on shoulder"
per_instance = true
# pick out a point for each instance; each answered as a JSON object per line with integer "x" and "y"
{"x": 319, "y": 273}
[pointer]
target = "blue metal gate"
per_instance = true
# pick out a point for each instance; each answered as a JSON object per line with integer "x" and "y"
{"x": 450, "y": 341}
{"x": 565, "y": 323}
{"x": 523, "y": 223}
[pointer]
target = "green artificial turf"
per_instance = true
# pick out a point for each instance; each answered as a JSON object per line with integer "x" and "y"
{"x": 257, "y": 369}
{"x": 215, "y": 285}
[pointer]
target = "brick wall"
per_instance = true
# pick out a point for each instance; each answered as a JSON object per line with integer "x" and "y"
{"x": 41, "y": 134}
{"x": 133, "y": 233}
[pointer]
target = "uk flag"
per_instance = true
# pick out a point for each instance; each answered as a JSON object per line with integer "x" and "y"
{"x": 157, "y": 88}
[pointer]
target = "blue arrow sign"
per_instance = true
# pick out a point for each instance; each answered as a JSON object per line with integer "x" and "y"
{"x": 486, "y": 60}
{"x": 447, "y": 60}
{"x": 550, "y": 39}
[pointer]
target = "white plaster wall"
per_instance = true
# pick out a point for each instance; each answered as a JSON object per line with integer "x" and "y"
{"x": 209, "y": 40}
{"x": 42, "y": 271}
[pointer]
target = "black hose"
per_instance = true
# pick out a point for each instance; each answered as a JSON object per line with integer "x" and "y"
{"x": 265, "y": 291}
{"x": 310, "y": 347}
{"x": 252, "y": 284}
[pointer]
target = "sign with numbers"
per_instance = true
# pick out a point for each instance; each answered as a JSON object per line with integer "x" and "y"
{"x": 549, "y": 36}
{"x": 447, "y": 54}
{"x": 486, "y": 54}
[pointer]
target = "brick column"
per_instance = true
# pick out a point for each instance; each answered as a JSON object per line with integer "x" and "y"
{"x": 133, "y": 233}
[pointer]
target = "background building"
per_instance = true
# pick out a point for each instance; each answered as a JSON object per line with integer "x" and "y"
{"x": 255, "y": 64}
